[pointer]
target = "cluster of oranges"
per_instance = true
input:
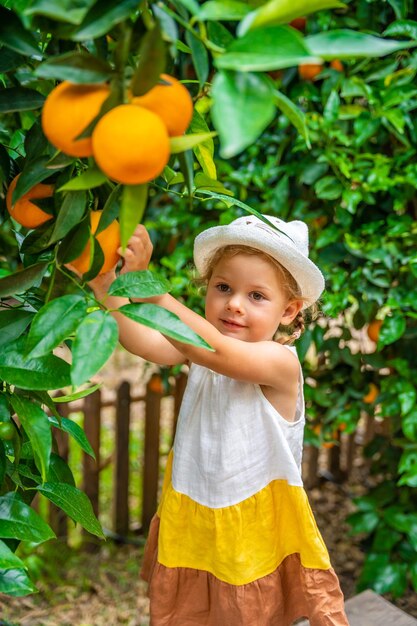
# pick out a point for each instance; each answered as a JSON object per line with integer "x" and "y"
{"x": 130, "y": 144}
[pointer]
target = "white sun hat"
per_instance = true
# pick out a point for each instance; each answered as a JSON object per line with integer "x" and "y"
{"x": 289, "y": 247}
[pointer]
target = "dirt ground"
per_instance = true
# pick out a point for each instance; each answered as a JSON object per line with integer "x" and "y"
{"x": 104, "y": 589}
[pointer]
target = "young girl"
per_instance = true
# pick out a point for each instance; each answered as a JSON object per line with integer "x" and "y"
{"x": 234, "y": 541}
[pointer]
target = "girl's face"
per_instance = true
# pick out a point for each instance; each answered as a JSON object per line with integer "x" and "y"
{"x": 246, "y": 300}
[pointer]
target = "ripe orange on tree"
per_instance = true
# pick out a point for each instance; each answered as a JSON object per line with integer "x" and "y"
{"x": 337, "y": 65}
{"x": 172, "y": 102}
{"x": 109, "y": 240}
{"x": 309, "y": 71}
{"x": 373, "y": 330}
{"x": 372, "y": 394}
{"x": 26, "y": 212}
{"x": 131, "y": 144}
{"x": 299, "y": 23}
{"x": 67, "y": 111}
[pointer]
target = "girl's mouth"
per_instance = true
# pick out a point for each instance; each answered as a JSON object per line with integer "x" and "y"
{"x": 231, "y": 324}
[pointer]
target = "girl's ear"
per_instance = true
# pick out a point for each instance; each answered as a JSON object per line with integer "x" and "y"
{"x": 291, "y": 311}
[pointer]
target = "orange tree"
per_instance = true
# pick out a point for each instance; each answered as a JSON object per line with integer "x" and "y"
{"x": 79, "y": 117}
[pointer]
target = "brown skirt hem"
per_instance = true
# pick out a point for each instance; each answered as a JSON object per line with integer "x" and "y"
{"x": 182, "y": 596}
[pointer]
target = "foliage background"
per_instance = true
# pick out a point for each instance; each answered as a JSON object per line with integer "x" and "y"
{"x": 354, "y": 186}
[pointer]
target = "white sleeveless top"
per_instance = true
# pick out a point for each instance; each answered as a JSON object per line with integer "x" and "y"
{"x": 231, "y": 442}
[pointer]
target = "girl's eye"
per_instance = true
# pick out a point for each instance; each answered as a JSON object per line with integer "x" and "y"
{"x": 223, "y": 287}
{"x": 257, "y": 296}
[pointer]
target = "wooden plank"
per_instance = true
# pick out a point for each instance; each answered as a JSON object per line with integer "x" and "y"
{"x": 151, "y": 456}
{"x": 370, "y": 609}
{"x": 92, "y": 424}
{"x": 121, "y": 469}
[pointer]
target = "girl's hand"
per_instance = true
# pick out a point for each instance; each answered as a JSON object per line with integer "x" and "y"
{"x": 138, "y": 252}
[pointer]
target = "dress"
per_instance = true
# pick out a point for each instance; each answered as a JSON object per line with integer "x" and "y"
{"x": 234, "y": 541}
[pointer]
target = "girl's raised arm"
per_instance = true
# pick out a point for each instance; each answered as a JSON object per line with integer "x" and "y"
{"x": 136, "y": 338}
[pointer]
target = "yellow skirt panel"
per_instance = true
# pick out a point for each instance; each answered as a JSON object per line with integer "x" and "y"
{"x": 241, "y": 543}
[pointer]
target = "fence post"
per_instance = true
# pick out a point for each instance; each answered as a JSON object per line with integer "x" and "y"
{"x": 58, "y": 520}
{"x": 121, "y": 469}
{"x": 151, "y": 455}
{"x": 312, "y": 465}
{"x": 92, "y": 423}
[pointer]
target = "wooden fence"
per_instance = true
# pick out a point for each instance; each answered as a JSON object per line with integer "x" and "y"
{"x": 335, "y": 463}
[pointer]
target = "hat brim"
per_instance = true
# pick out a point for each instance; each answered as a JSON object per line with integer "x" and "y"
{"x": 308, "y": 276}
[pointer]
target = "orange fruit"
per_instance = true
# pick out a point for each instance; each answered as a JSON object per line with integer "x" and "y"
{"x": 372, "y": 394}
{"x": 337, "y": 65}
{"x": 26, "y": 212}
{"x": 131, "y": 144}
{"x": 109, "y": 240}
{"x": 67, "y": 111}
{"x": 299, "y": 23}
{"x": 373, "y": 330}
{"x": 309, "y": 71}
{"x": 171, "y": 102}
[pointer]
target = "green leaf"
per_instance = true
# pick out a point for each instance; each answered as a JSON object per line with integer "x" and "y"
{"x": 284, "y": 11}
{"x": 392, "y": 329}
{"x": 59, "y": 471}
{"x": 70, "y": 214}
{"x": 407, "y": 396}
{"x": 348, "y": 44}
{"x": 151, "y": 62}
{"x": 243, "y": 107}
{"x": 72, "y": 11}
{"x": 230, "y": 201}
{"x": 164, "y": 321}
{"x": 8, "y": 559}
{"x": 20, "y": 521}
{"x": 102, "y": 17}
{"x": 14, "y": 35}
{"x": 202, "y": 181}
{"x": 77, "y": 67}
{"x": 10, "y": 60}
{"x": 268, "y": 48}
{"x": 47, "y": 372}
{"x": 191, "y": 5}
{"x": 409, "y": 426}
{"x": 363, "y": 522}
{"x": 36, "y": 424}
{"x": 111, "y": 209}
{"x": 20, "y": 99}
{"x": 200, "y": 57}
{"x": 133, "y": 206}
{"x": 54, "y": 322}
{"x": 33, "y": 172}
{"x": 74, "y": 503}
{"x": 13, "y": 322}
{"x": 15, "y": 582}
{"x": 142, "y": 284}
{"x": 21, "y": 281}
{"x": 76, "y": 395}
{"x": 89, "y": 179}
{"x": 402, "y": 28}
{"x": 293, "y": 113}
{"x": 382, "y": 576}
{"x": 221, "y": 10}
{"x": 96, "y": 338}
{"x": 75, "y": 242}
{"x": 203, "y": 151}
{"x": 76, "y": 432}
{"x": 328, "y": 188}
{"x": 186, "y": 142}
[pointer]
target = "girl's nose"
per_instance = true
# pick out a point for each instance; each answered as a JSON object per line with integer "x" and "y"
{"x": 235, "y": 303}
